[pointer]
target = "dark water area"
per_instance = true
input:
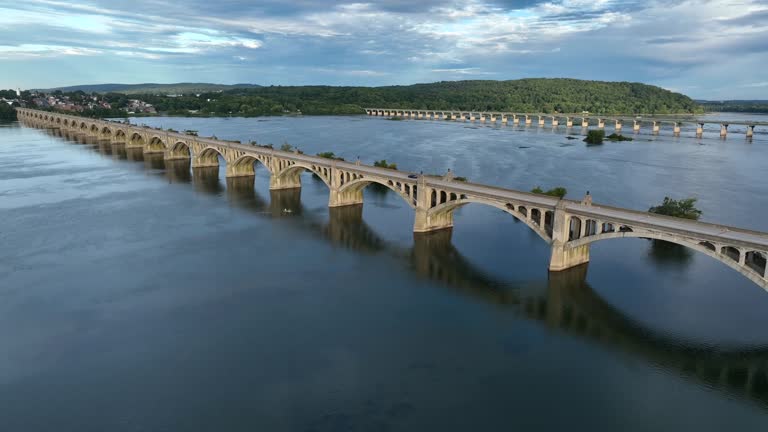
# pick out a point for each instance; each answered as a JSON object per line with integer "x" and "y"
{"x": 140, "y": 295}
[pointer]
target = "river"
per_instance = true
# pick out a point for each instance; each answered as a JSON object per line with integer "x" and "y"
{"x": 136, "y": 295}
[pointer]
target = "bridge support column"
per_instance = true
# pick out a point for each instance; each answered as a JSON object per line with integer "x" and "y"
{"x": 515, "y": 119}
{"x": 568, "y": 122}
{"x": 504, "y": 119}
{"x": 750, "y": 131}
{"x": 635, "y": 126}
{"x": 424, "y": 221}
{"x": 723, "y": 130}
{"x": 676, "y": 130}
{"x": 541, "y": 121}
{"x": 471, "y": 117}
{"x": 617, "y": 126}
{"x": 564, "y": 257}
{"x": 584, "y": 122}
{"x": 699, "y": 130}
{"x": 528, "y": 120}
{"x": 600, "y": 123}
{"x": 555, "y": 122}
{"x": 656, "y": 128}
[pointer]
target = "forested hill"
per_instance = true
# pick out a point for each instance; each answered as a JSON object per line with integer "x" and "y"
{"x": 526, "y": 95}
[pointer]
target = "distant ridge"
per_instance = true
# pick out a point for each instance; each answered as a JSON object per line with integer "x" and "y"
{"x": 153, "y": 88}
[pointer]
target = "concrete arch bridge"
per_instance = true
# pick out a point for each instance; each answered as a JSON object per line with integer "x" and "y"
{"x": 568, "y": 226}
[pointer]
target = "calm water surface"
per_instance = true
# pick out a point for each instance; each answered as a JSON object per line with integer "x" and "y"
{"x": 136, "y": 295}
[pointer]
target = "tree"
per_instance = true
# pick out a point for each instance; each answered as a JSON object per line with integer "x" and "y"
{"x": 383, "y": 164}
{"x": 559, "y": 191}
{"x": 7, "y": 112}
{"x": 595, "y": 136}
{"x": 684, "y": 208}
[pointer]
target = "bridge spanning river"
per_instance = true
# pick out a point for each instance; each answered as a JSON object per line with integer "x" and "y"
{"x": 568, "y": 226}
{"x": 585, "y": 120}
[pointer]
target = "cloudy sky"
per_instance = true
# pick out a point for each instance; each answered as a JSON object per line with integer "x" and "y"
{"x": 707, "y": 49}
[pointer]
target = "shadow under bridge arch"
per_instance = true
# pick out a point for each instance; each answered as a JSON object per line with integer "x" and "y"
{"x": 288, "y": 173}
{"x": 750, "y": 263}
{"x": 537, "y": 219}
{"x": 354, "y": 184}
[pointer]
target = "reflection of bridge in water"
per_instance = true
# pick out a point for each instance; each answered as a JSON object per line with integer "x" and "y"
{"x": 566, "y": 303}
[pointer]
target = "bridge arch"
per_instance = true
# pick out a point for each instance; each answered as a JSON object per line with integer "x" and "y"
{"x": 136, "y": 140}
{"x": 119, "y": 135}
{"x": 735, "y": 258}
{"x": 355, "y": 183}
{"x": 106, "y": 132}
{"x": 208, "y": 157}
{"x": 155, "y": 145}
{"x": 83, "y": 126}
{"x": 294, "y": 169}
{"x": 180, "y": 150}
{"x": 244, "y": 165}
{"x": 540, "y": 225}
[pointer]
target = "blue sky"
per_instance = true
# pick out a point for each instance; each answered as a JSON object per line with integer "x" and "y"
{"x": 707, "y": 49}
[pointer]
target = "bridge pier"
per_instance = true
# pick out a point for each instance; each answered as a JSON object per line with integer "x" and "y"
{"x": 750, "y": 131}
{"x": 723, "y": 130}
{"x": 287, "y": 180}
{"x": 424, "y": 221}
{"x": 563, "y": 256}
{"x": 528, "y": 120}
{"x": 676, "y": 130}
{"x": 699, "y": 130}
{"x": 655, "y": 128}
{"x": 617, "y": 126}
{"x": 584, "y": 122}
{"x": 515, "y": 119}
{"x": 568, "y": 122}
{"x": 600, "y": 123}
{"x": 555, "y": 122}
{"x": 635, "y": 126}
{"x": 541, "y": 121}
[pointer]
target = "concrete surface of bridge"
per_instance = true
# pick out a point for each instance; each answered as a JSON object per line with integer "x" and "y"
{"x": 568, "y": 226}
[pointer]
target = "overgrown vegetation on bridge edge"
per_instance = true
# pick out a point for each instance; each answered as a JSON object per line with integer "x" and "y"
{"x": 330, "y": 155}
{"x": 684, "y": 208}
{"x": 383, "y": 164}
{"x": 559, "y": 191}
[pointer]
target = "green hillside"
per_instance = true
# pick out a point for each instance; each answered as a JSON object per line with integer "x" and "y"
{"x": 527, "y": 95}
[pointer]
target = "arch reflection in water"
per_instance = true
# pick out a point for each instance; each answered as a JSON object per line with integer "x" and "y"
{"x": 178, "y": 171}
{"x": 154, "y": 161}
{"x": 206, "y": 180}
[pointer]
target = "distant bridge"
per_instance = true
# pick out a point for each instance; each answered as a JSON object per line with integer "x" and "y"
{"x": 585, "y": 120}
{"x": 568, "y": 226}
